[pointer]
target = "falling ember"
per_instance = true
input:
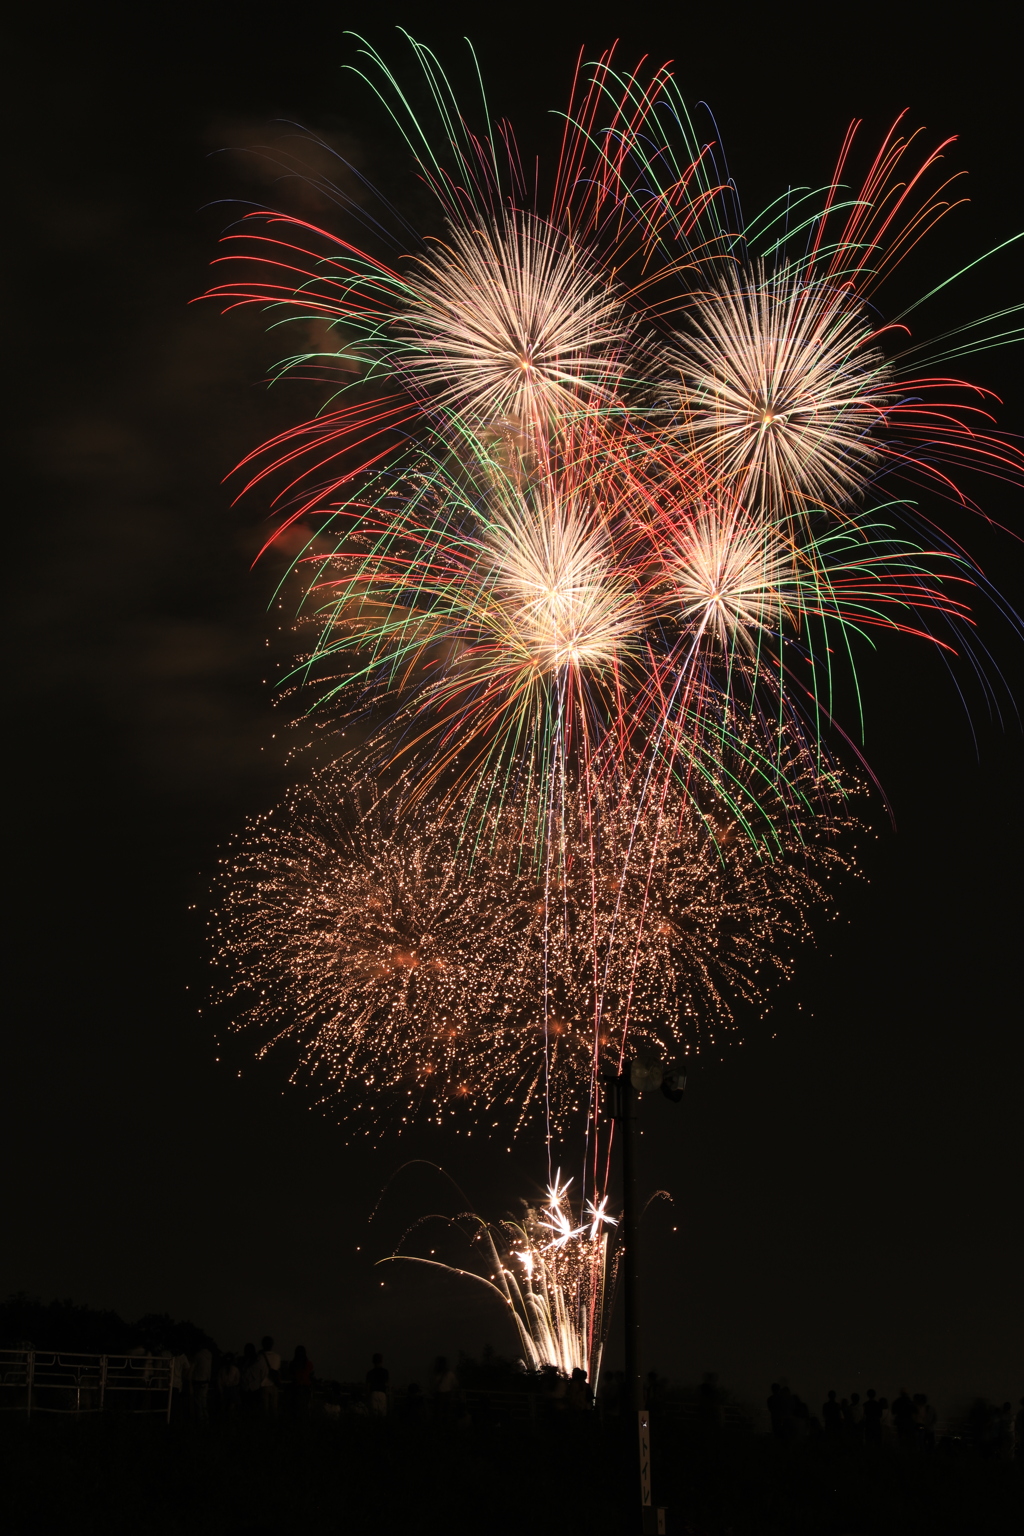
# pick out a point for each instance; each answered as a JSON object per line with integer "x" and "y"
{"x": 329, "y": 914}
{"x": 545, "y": 955}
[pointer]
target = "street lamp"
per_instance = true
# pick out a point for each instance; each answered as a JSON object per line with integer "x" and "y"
{"x": 643, "y": 1075}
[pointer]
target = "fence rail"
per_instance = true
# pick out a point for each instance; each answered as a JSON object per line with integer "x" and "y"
{"x": 67, "y": 1381}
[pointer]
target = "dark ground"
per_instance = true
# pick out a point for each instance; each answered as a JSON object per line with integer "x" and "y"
{"x": 102, "y": 1478}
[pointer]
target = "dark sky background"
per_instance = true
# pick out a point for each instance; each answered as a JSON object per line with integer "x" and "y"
{"x": 846, "y": 1184}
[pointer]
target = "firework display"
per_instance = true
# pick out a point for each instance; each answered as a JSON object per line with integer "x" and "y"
{"x": 423, "y": 970}
{"x": 554, "y": 1270}
{"x": 630, "y": 475}
{"x": 380, "y": 950}
{"x": 510, "y": 323}
{"x": 491, "y": 627}
{"x": 607, "y": 487}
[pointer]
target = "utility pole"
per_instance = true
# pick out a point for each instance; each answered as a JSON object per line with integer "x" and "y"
{"x": 638, "y": 1076}
{"x": 626, "y": 1118}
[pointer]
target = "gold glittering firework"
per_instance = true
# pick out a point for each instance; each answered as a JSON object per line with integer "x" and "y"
{"x": 507, "y": 966}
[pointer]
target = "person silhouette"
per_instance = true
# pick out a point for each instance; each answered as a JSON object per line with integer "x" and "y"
{"x": 775, "y": 1410}
{"x": 873, "y": 1410}
{"x": 272, "y": 1380}
{"x": 301, "y": 1383}
{"x": 903, "y": 1418}
{"x": 578, "y": 1396}
{"x": 254, "y": 1374}
{"x": 446, "y": 1388}
{"x": 377, "y": 1380}
{"x": 832, "y": 1417}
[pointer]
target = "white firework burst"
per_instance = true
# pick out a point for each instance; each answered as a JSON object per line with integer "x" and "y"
{"x": 557, "y": 600}
{"x": 729, "y": 575}
{"x": 780, "y": 386}
{"x": 511, "y": 323}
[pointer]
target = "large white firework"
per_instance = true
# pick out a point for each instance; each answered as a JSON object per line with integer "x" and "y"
{"x": 484, "y": 614}
{"x": 728, "y": 575}
{"x": 779, "y": 384}
{"x": 556, "y": 599}
{"x": 511, "y": 324}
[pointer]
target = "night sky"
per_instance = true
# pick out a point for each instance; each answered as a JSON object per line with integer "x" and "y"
{"x": 846, "y": 1185}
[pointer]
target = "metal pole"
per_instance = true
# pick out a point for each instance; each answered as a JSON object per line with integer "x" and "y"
{"x": 644, "y": 1420}
{"x": 630, "y": 1229}
{"x": 626, "y": 1115}
{"x": 671, "y": 1081}
{"x": 30, "y": 1375}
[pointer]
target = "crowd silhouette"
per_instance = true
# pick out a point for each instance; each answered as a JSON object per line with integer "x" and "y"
{"x": 259, "y": 1384}
{"x": 907, "y": 1423}
{"x": 256, "y": 1383}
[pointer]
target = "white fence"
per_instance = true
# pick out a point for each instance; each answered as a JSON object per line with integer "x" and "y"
{"x": 66, "y": 1381}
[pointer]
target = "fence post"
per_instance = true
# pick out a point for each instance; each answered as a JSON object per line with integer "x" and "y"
{"x": 29, "y": 1375}
{"x": 170, "y": 1388}
{"x": 103, "y": 1381}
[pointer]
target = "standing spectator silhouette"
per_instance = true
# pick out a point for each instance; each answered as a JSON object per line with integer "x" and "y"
{"x": 202, "y": 1370}
{"x": 446, "y": 1387}
{"x": 924, "y": 1419}
{"x": 301, "y": 1382}
{"x": 1003, "y": 1432}
{"x": 784, "y": 1419}
{"x": 377, "y": 1379}
{"x": 710, "y": 1412}
{"x": 272, "y": 1379}
{"x": 613, "y": 1395}
{"x": 554, "y": 1387}
{"x": 903, "y": 1419}
{"x": 803, "y": 1424}
{"x": 775, "y": 1412}
{"x": 853, "y": 1418}
{"x": 254, "y": 1374}
{"x": 832, "y": 1417}
{"x": 229, "y": 1384}
{"x": 179, "y": 1379}
{"x": 873, "y": 1409}
{"x": 578, "y": 1396}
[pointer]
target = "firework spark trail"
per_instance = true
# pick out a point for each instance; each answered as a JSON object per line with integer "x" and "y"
{"x": 494, "y": 621}
{"x": 780, "y": 381}
{"x": 782, "y": 389}
{"x": 522, "y": 369}
{"x": 511, "y": 318}
{"x": 554, "y": 1270}
{"x": 790, "y": 387}
{"x": 488, "y": 619}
